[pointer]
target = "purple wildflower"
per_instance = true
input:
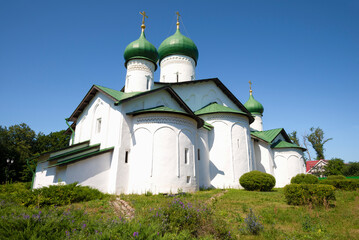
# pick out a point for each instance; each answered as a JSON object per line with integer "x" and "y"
{"x": 135, "y": 234}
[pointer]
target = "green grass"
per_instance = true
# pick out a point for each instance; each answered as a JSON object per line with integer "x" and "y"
{"x": 224, "y": 217}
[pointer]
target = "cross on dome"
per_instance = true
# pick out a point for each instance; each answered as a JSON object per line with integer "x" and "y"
{"x": 178, "y": 15}
{"x": 250, "y": 87}
{"x": 143, "y": 20}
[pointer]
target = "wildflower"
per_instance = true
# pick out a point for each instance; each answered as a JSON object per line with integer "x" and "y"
{"x": 84, "y": 225}
{"x": 135, "y": 234}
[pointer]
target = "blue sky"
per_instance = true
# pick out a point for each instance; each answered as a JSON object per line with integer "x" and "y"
{"x": 302, "y": 57}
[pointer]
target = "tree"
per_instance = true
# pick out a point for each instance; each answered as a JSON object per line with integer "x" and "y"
{"x": 293, "y": 137}
{"x": 335, "y": 166}
{"x": 51, "y": 142}
{"x": 19, "y": 143}
{"x": 351, "y": 169}
{"x": 316, "y": 139}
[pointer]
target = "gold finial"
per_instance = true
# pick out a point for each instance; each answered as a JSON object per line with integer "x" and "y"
{"x": 250, "y": 87}
{"x": 178, "y": 15}
{"x": 143, "y": 20}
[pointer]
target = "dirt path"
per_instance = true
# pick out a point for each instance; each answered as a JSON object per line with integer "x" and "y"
{"x": 215, "y": 196}
{"x": 123, "y": 208}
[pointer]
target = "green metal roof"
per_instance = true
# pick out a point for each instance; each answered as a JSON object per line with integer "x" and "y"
{"x": 178, "y": 44}
{"x": 82, "y": 157}
{"x": 284, "y": 144}
{"x": 158, "y": 109}
{"x": 254, "y": 106}
{"x": 217, "y": 108}
{"x": 141, "y": 49}
{"x": 268, "y": 135}
{"x": 117, "y": 95}
{"x": 207, "y": 126}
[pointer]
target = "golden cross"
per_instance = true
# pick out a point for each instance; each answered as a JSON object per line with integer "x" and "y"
{"x": 178, "y": 15}
{"x": 250, "y": 87}
{"x": 143, "y": 15}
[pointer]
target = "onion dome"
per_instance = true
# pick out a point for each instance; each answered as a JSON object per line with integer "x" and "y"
{"x": 141, "y": 48}
{"x": 178, "y": 44}
{"x": 252, "y": 105}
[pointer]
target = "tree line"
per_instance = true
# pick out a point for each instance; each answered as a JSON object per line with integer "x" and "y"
{"x": 316, "y": 139}
{"x": 19, "y": 143}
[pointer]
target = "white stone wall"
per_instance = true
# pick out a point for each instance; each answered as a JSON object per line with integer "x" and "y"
{"x": 198, "y": 95}
{"x": 177, "y": 68}
{"x": 263, "y": 157}
{"x": 93, "y": 172}
{"x": 230, "y": 152}
{"x": 288, "y": 163}
{"x": 139, "y": 76}
{"x": 157, "y": 159}
{"x": 100, "y": 108}
{"x": 257, "y": 125}
{"x": 202, "y": 159}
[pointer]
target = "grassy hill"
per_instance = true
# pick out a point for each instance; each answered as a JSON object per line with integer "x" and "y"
{"x": 209, "y": 214}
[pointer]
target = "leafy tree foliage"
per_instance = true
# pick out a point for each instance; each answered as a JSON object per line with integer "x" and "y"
{"x": 335, "y": 167}
{"x": 316, "y": 139}
{"x": 351, "y": 169}
{"x": 293, "y": 137}
{"x": 19, "y": 143}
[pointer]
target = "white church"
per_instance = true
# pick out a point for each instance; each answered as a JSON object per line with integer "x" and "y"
{"x": 176, "y": 134}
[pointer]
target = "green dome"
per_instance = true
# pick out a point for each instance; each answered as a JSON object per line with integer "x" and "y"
{"x": 141, "y": 49}
{"x": 253, "y": 106}
{"x": 178, "y": 44}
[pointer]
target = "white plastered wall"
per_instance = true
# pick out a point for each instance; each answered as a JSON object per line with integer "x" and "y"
{"x": 288, "y": 163}
{"x": 139, "y": 76}
{"x": 100, "y": 107}
{"x": 198, "y": 95}
{"x": 230, "y": 152}
{"x": 157, "y": 156}
{"x": 177, "y": 68}
{"x": 263, "y": 157}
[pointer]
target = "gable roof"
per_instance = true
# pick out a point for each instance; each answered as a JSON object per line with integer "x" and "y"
{"x": 120, "y": 97}
{"x": 217, "y": 108}
{"x": 284, "y": 144}
{"x": 269, "y": 135}
{"x": 112, "y": 94}
{"x": 314, "y": 163}
{"x": 163, "y": 109}
{"x": 221, "y": 86}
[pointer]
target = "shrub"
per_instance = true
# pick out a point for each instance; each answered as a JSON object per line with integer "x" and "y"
{"x": 301, "y": 194}
{"x": 48, "y": 196}
{"x": 336, "y": 177}
{"x": 257, "y": 181}
{"x": 343, "y": 184}
{"x": 303, "y": 178}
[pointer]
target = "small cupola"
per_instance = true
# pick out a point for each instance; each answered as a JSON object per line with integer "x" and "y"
{"x": 141, "y": 62}
{"x": 178, "y": 56}
{"x": 256, "y": 109}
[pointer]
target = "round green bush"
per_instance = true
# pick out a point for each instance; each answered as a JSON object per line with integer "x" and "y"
{"x": 336, "y": 177}
{"x": 257, "y": 181}
{"x": 303, "y": 178}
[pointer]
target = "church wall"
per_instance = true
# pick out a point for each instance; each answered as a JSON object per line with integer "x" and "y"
{"x": 44, "y": 176}
{"x": 229, "y": 149}
{"x": 162, "y": 151}
{"x": 198, "y": 95}
{"x": 202, "y": 159}
{"x": 177, "y": 68}
{"x": 139, "y": 77}
{"x": 96, "y": 174}
{"x": 288, "y": 163}
{"x": 98, "y": 122}
{"x": 264, "y": 157}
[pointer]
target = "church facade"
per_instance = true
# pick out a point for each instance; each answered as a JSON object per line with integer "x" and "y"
{"x": 177, "y": 134}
